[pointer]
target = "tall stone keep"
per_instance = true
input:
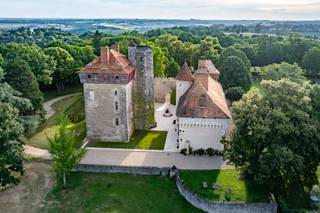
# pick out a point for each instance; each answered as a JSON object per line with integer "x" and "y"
{"x": 141, "y": 57}
{"x": 108, "y": 86}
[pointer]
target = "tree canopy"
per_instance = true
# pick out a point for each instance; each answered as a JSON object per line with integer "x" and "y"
{"x": 311, "y": 61}
{"x": 276, "y": 140}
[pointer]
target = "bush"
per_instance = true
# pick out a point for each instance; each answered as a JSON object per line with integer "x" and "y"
{"x": 210, "y": 152}
{"x": 183, "y": 151}
{"x": 234, "y": 93}
{"x": 201, "y": 152}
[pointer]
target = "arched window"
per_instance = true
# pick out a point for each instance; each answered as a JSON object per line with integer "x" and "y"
{"x": 117, "y": 121}
{"x": 203, "y": 101}
{"x": 116, "y": 105}
{"x": 116, "y": 92}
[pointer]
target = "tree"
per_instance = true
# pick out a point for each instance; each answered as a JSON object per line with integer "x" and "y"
{"x": 65, "y": 66}
{"x": 172, "y": 68}
{"x": 232, "y": 51}
{"x": 276, "y": 72}
{"x": 40, "y": 64}
{"x": 234, "y": 74}
{"x": 234, "y": 93}
{"x": 97, "y": 41}
{"x": 276, "y": 141}
{"x": 311, "y": 62}
{"x": 315, "y": 100}
{"x": 18, "y": 74}
{"x": 11, "y": 133}
{"x": 63, "y": 151}
{"x": 210, "y": 48}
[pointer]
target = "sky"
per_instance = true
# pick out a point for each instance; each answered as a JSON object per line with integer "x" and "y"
{"x": 166, "y": 9}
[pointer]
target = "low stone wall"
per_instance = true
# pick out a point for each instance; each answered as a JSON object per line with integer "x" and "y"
{"x": 220, "y": 207}
{"x": 162, "y": 87}
{"x": 122, "y": 169}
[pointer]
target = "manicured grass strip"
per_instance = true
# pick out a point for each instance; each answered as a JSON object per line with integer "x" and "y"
{"x": 141, "y": 139}
{"x": 242, "y": 190}
{"x": 72, "y": 106}
{"x": 90, "y": 192}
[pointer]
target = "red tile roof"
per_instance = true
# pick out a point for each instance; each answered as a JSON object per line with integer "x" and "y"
{"x": 110, "y": 61}
{"x": 205, "y": 98}
{"x": 185, "y": 73}
{"x": 207, "y": 67}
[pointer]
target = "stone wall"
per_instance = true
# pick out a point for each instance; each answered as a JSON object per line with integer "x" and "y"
{"x": 122, "y": 169}
{"x": 162, "y": 87}
{"x": 101, "y": 114}
{"x": 143, "y": 91}
{"x": 220, "y": 207}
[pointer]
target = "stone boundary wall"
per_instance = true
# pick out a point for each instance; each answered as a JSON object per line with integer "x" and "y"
{"x": 162, "y": 87}
{"x": 220, "y": 207}
{"x": 122, "y": 169}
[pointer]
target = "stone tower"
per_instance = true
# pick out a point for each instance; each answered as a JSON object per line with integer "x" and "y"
{"x": 141, "y": 57}
{"x": 108, "y": 85}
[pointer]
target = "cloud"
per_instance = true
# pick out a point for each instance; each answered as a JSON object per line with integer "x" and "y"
{"x": 201, "y": 9}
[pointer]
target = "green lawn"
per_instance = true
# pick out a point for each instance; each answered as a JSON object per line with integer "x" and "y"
{"x": 91, "y": 192}
{"x": 74, "y": 108}
{"x": 141, "y": 139}
{"x": 242, "y": 190}
{"x": 50, "y": 94}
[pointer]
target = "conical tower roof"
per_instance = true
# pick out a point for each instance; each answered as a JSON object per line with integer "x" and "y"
{"x": 185, "y": 73}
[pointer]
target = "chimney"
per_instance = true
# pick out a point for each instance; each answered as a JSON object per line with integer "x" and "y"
{"x": 104, "y": 55}
{"x": 115, "y": 47}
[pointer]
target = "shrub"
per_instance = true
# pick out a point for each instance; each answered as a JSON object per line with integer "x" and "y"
{"x": 210, "y": 151}
{"x": 201, "y": 152}
{"x": 234, "y": 93}
{"x": 183, "y": 151}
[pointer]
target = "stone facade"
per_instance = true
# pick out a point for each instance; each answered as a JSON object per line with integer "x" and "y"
{"x": 108, "y": 112}
{"x": 163, "y": 87}
{"x": 143, "y": 91}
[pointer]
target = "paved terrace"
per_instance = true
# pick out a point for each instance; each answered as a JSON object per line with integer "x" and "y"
{"x": 120, "y": 157}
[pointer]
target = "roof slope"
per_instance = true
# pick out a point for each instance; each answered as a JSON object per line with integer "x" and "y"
{"x": 110, "y": 61}
{"x": 207, "y": 67}
{"x": 204, "y": 99}
{"x": 185, "y": 73}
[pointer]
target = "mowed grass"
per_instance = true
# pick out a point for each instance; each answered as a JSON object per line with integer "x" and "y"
{"x": 92, "y": 192}
{"x": 141, "y": 139}
{"x": 74, "y": 108}
{"x": 242, "y": 190}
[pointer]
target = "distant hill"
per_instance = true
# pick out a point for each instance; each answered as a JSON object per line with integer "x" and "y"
{"x": 118, "y": 26}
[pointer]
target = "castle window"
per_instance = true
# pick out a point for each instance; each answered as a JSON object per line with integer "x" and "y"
{"x": 116, "y": 105}
{"x": 117, "y": 77}
{"x": 202, "y": 101}
{"x": 116, "y": 92}
{"x": 89, "y": 76}
{"x": 117, "y": 121}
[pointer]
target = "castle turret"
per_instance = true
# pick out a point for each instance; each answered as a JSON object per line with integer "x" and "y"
{"x": 183, "y": 81}
{"x": 143, "y": 99}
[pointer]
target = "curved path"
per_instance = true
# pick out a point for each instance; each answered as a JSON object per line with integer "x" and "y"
{"x": 42, "y": 153}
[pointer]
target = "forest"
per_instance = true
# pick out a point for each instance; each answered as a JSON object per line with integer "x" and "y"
{"x": 259, "y": 73}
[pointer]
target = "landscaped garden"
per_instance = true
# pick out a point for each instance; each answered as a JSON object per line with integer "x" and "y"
{"x": 71, "y": 106}
{"x": 240, "y": 190}
{"x": 141, "y": 139}
{"x": 91, "y": 192}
